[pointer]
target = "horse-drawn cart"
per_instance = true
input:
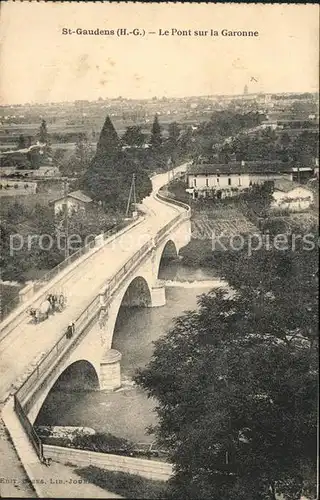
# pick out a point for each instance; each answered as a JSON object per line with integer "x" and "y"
{"x": 55, "y": 302}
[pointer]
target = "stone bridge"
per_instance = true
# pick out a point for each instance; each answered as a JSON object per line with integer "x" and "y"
{"x": 89, "y": 354}
{"x": 120, "y": 271}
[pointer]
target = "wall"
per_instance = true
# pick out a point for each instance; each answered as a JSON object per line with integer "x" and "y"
{"x": 43, "y": 171}
{"x": 259, "y": 178}
{"x": 213, "y": 181}
{"x": 24, "y": 187}
{"x": 150, "y": 469}
{"x": 219, "y": 182}
{"x": 26, "y": 292}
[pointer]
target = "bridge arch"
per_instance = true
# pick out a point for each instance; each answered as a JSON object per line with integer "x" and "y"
{"x": 168, "y": 252}
{"x": 137, "y": 294}
{"x": 78, "y": 375}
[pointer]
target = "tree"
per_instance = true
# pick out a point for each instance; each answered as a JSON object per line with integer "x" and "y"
{"x": 109, "y": 174}
{"x": 236, "y": 383}
{"x": 43, "y": 133}
{"x": 30, "y": 225}
{"x": 174, "y": 132}
{"x": 58, "y": 157}
{"x": 88, "y": 224}
{"x": 108, "y": 143}
{"x": 34, "y": 158}
{"x": 11, "y": 265}
{"x": 133, "y": 136}
{"x": 285, "y": 140}
{"x": 21, "y": 142}
{"x": 305, "y": 147}
{"x": 83, "y": 154}
{"x": 156, "y": 133}
{"x": 99, "y": 180}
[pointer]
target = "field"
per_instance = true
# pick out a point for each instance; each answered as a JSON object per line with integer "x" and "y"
{"x": 220, "y": 221}
{"x": 43, "y": 197}
{"x": 296, "y": 222}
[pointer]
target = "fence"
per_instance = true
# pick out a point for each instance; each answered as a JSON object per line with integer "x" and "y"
{"x": 76, "y": 255}
{"x": 28, "y": 428}
{"x": 8, "y": 308}
{"x": 173, "y": 201}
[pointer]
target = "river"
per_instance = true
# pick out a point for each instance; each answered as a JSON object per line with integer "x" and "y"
{"x": 127, "y": 412}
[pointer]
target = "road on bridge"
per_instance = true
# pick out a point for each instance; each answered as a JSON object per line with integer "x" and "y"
{"x": 27, "y": 343}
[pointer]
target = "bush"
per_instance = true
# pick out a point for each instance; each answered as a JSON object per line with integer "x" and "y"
{"x": 99, "y": 442}
{"x": 104, "y": 443}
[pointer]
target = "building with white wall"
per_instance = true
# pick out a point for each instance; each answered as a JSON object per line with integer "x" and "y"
{"x": 73, "y": 202}
{"x": 290, "y": 196}
{"x": 206, "y": 179}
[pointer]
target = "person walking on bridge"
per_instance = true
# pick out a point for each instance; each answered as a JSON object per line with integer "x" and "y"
{"x": 70, "y": 330}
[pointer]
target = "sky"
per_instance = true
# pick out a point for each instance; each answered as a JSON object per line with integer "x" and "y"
{"x": 40, "y": 64}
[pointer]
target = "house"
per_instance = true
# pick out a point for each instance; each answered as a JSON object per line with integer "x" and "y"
{"x": 291, "y": 196}
{"x": 22, "y": 156}
{"x": 43, "y": 171}
{"x": 73, "y": 202}
{"x": 226, "y": 179}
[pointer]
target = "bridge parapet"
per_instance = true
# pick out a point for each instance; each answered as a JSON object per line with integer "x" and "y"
{"x": 170, "y": 225}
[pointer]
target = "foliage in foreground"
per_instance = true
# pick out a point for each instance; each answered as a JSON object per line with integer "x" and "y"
{"x": 236, "y": 383}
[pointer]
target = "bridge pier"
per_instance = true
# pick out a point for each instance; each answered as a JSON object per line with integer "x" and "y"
{"x": 110, "y": 372}
{"x": 158, "y": 295}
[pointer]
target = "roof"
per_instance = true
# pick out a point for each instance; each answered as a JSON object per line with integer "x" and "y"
{"x": 24, "y": 151}
{"x": 77, "y": 195}
{"x": 286, "y": 186}
{"x": 15, "y": 151}
{"x": 237, "y": 167}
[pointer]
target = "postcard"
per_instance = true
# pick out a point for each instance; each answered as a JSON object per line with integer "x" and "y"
{"x": 159, "y": 190}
